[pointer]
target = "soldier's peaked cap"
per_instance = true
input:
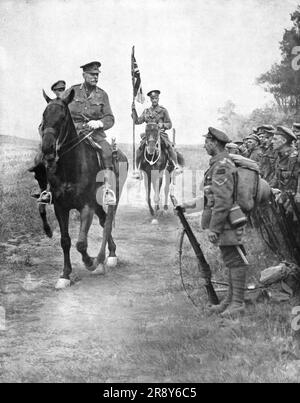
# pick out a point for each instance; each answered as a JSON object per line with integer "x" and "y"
{"x": 296, "y": 126}
{"x": 92, "y": 67}
{"x": 266, "y": 129}
{"x": 253, "y": 137}
{"x": 218, "y": 135}
{"x": 153, "y": 93}
{"x": 286, "y": 132}
{"x": 59, "y": 85}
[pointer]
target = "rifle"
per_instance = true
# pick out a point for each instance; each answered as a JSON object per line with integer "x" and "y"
{"x": 202, "y": 263}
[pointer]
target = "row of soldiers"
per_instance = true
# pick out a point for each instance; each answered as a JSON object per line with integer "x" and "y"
{"x": 277, "y": 152}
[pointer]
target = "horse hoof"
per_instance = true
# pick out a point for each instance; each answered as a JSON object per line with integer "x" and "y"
{"x": 154, "y": 221}
{"x": 100, "y": 269}
{"x": 62, "y": 283}
{"x": 112, "y": 261}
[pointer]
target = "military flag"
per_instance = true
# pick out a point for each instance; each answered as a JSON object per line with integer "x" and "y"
{"x": 136, "y": 80}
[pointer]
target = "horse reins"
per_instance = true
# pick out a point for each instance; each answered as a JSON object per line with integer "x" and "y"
{"x": 158, "y": 147}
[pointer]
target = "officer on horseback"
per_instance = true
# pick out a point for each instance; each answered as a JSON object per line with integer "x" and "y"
{"x": 91, "y": 112}
{"x": 159, "y": 115}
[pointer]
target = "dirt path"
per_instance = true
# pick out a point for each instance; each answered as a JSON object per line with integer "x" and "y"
{"x": 101, "y": 328}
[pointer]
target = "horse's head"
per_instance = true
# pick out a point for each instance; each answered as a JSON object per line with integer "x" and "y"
{"x": 152, "y": 135}
{"x": 55, "y": 117}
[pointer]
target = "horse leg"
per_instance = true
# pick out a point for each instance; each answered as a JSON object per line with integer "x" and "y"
{"x": 106, "y": 235}
{"x": 167, "y": 189}
{"x": 156, "y": 182}
{"x": 62, "y": 216}
{"x": 147, "y": 183}
{"x": 46, "y": 226}
{"x": 86, "y": 218}
{"x": 112, "y": 257}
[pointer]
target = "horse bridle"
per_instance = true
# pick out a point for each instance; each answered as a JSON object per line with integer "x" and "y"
{"x": 157, "y": 147}
{"x": 59, "y": 144}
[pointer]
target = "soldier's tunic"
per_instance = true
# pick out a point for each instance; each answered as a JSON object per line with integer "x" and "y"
{"x": 287, "y": 170}
{"x": 96, "y": 106}
{"x": 255, "y": 155}
{"x": 267, "y": 164}
{"x": 159, "y": 114}
{"x": 218, "y": 200}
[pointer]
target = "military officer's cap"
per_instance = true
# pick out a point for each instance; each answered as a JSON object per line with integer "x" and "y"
{"x": 296, "y": 126}
{"x": 217, "y": 134}
{"x": 286, "y": 133}
{"x": 238, "y": 142}
{"x": 153, "y": 93}
{"x": 232, "y": 145}
{"x": 92, "y": 67}
{"x": 253, "y": 137}
{"x": 268, "y": 130}
{"x": 59, "y": 85}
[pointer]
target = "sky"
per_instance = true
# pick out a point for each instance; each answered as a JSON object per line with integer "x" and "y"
{"x": 198, "y": 53}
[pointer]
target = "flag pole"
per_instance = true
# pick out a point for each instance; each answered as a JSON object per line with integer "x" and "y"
{"x": 133, "y": 126}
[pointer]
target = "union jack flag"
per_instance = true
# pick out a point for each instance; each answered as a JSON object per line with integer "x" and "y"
{"x": 136, "y": 80}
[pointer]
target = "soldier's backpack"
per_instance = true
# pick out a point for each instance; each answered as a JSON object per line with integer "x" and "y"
{"x": 250, "y": 188}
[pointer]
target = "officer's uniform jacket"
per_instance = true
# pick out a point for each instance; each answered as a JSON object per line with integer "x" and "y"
{"x": 159, "y": 114}
{"x": 219, "y": 187}
{"x": 96, "y": 106}
{"x": 287, "y": 169}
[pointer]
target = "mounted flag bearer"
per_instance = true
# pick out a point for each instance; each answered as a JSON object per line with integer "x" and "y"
{"x": 159, "y": 115}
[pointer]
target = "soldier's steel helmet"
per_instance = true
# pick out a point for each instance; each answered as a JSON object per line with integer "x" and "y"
{"x": 92, "y": 67}
{"x": 218, "y": 135}
{"x": 59, "y": 85}
{"x": 153, "y": 93}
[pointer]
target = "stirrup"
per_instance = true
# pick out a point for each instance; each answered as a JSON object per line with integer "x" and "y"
{"x": 45, "y": 197}
{"x": 109, "y": 197}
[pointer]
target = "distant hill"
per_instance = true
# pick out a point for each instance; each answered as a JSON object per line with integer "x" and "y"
{"x": 194, "y": 155}
{"x": 20, "y": 141}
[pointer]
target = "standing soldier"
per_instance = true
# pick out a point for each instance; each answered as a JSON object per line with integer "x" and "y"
{"x": 296, "y": 130}
{"x": 287, "y": 170}
{"x": 267, "y": 164}
{"x": 155, "y": 114}
{"x": 219, "y": 193}
{"x": 254, "y": 151}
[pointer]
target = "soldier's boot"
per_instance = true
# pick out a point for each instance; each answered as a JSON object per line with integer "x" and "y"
{"x": 237, "y": 306}
{"x": 217, "y": 309}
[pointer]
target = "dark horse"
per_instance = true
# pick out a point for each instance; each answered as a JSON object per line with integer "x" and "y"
{"x": 76, "y": 181}
{"x": 154, "y": 163}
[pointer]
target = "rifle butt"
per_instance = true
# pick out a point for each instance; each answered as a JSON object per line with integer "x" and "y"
{"x": 212, "y": 296}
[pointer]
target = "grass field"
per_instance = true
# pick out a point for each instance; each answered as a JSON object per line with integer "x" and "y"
{"x": 172, "y": 340}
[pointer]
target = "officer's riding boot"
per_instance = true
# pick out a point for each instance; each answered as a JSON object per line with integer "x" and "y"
{"x": 44, "y": 196}
{"x": 216, "y": 309}
{"x": 237, "y": 306}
